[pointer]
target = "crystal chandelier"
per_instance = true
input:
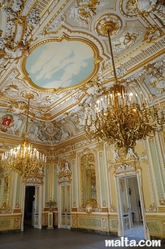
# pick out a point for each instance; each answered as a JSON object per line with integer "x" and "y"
{"x": 120, "y": 117}
{"x": 24, "y": 159}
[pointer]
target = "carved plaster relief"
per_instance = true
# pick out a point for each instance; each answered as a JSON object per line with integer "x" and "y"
{"x": 50, "y": 133}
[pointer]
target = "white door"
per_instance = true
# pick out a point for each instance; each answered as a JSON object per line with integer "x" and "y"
{"x": 125, "y": 207}
{"x": 37, "y": 207}
{"x": 131, "y": 206}
{"x": 65, "y": 207}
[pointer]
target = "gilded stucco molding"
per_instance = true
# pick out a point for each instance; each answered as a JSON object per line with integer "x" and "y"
{"x": 84, "y": 12}
{"x": 114, "y": 21}
{"x": 10, "y": 222}
{"x": 138, "y": 59}
{"x": 122, "y": 162}
{"x": 16, "y": 40}
{"x": 39, "y": 5}
{"x": 161, "y": 201}
{"x": 104, "y": 224}
{"x": 88, "y": 176}
{"x": 154, "y": 227}
{"x": 113, "y": 209}
{"x": 147, "y": 10}
{"x": 130, "y": 10}
{"x": 73, "y": 155}
{"x": 163, "y": 224}
{"x": 151, "y": 185}
{"x": 114, "y": 225}
{"x": 5, "y": 191}
{"x": 64, "y": 172}
{"x": 45, "y": 30}
{"x": 100, "y": 146}
{"x": 35, "y": 180}
{"x": 152, "y": 208}
{"x": 64, "y": 30}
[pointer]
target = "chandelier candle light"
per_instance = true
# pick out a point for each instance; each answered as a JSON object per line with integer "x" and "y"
{"x": 24, "y": 159}
{"x": 120, "y": 117}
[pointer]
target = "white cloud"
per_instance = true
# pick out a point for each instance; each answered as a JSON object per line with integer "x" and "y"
{"x": 57, "y": 84}
{"x": 55, "y": 57}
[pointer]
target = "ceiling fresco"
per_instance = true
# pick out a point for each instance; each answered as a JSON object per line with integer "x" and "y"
{"x": 59, "y": 51}
{"x": 60, "y": 64}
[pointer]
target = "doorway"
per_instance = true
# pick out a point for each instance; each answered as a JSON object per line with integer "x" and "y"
{"x": 32, "y": 206}
{"x": 29, "y": 202}
{"x": 130, "y": 202}
{"x": 65, "y": 212}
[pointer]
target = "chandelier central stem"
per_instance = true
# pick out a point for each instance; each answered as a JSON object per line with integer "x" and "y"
{"x": 113, "y": 63}
{"x": 27, "y": 117}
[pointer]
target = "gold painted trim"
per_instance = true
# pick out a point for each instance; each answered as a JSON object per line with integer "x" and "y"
{"x": 49, "y": 109}
{"x": 113, "y": 215}
{"x": 17, "y": 211}
{"x": 66, "y": 37}
{"x": 104, "y": 210}
{"x": 74, "y": 210}
{"x": 54, "y": 17}
{"x": 64, "y": 29}
{"x": 136, "y": 67}
{"x": 7, "y": 216}
{"x": 154, "y": 216}
{"x": 44, "y": 147}
{"x": 45, "y": 10}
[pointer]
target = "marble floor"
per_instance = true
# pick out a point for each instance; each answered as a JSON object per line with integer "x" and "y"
{"x": 136, "y": 232}
{"x": 53, "y": 239}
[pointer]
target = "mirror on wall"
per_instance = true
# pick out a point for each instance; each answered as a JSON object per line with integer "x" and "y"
{"x": 88, "y": 180}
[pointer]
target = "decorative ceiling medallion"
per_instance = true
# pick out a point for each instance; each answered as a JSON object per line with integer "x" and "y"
{"x": 108, "y": 22}
{"x": 29, "y": 94}
{"x": 60, "y": 64}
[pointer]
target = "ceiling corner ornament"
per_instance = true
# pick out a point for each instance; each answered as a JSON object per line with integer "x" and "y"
{"x": 129, "y": 7}
{"x": 15, "y": 35}
{"x": 113, "y": 22}
{"x": 24, "y": 159}
{"x": 154, "y": 8}
{"x": 119, "y": 116}
{"x": 84, "y": 11}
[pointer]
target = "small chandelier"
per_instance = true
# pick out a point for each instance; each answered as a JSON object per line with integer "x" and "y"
{"x": 24, "y": 159}
{"x": 118, "y": 117}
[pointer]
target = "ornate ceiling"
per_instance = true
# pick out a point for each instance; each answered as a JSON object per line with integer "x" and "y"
{"x": 58, "y": 50}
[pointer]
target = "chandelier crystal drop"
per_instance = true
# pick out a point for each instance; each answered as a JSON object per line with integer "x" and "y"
{"x": 120, "y": 117}
{"x": 24, "y": 159}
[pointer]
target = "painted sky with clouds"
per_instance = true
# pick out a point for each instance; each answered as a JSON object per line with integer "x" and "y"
{"x": 60, "y": 64}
